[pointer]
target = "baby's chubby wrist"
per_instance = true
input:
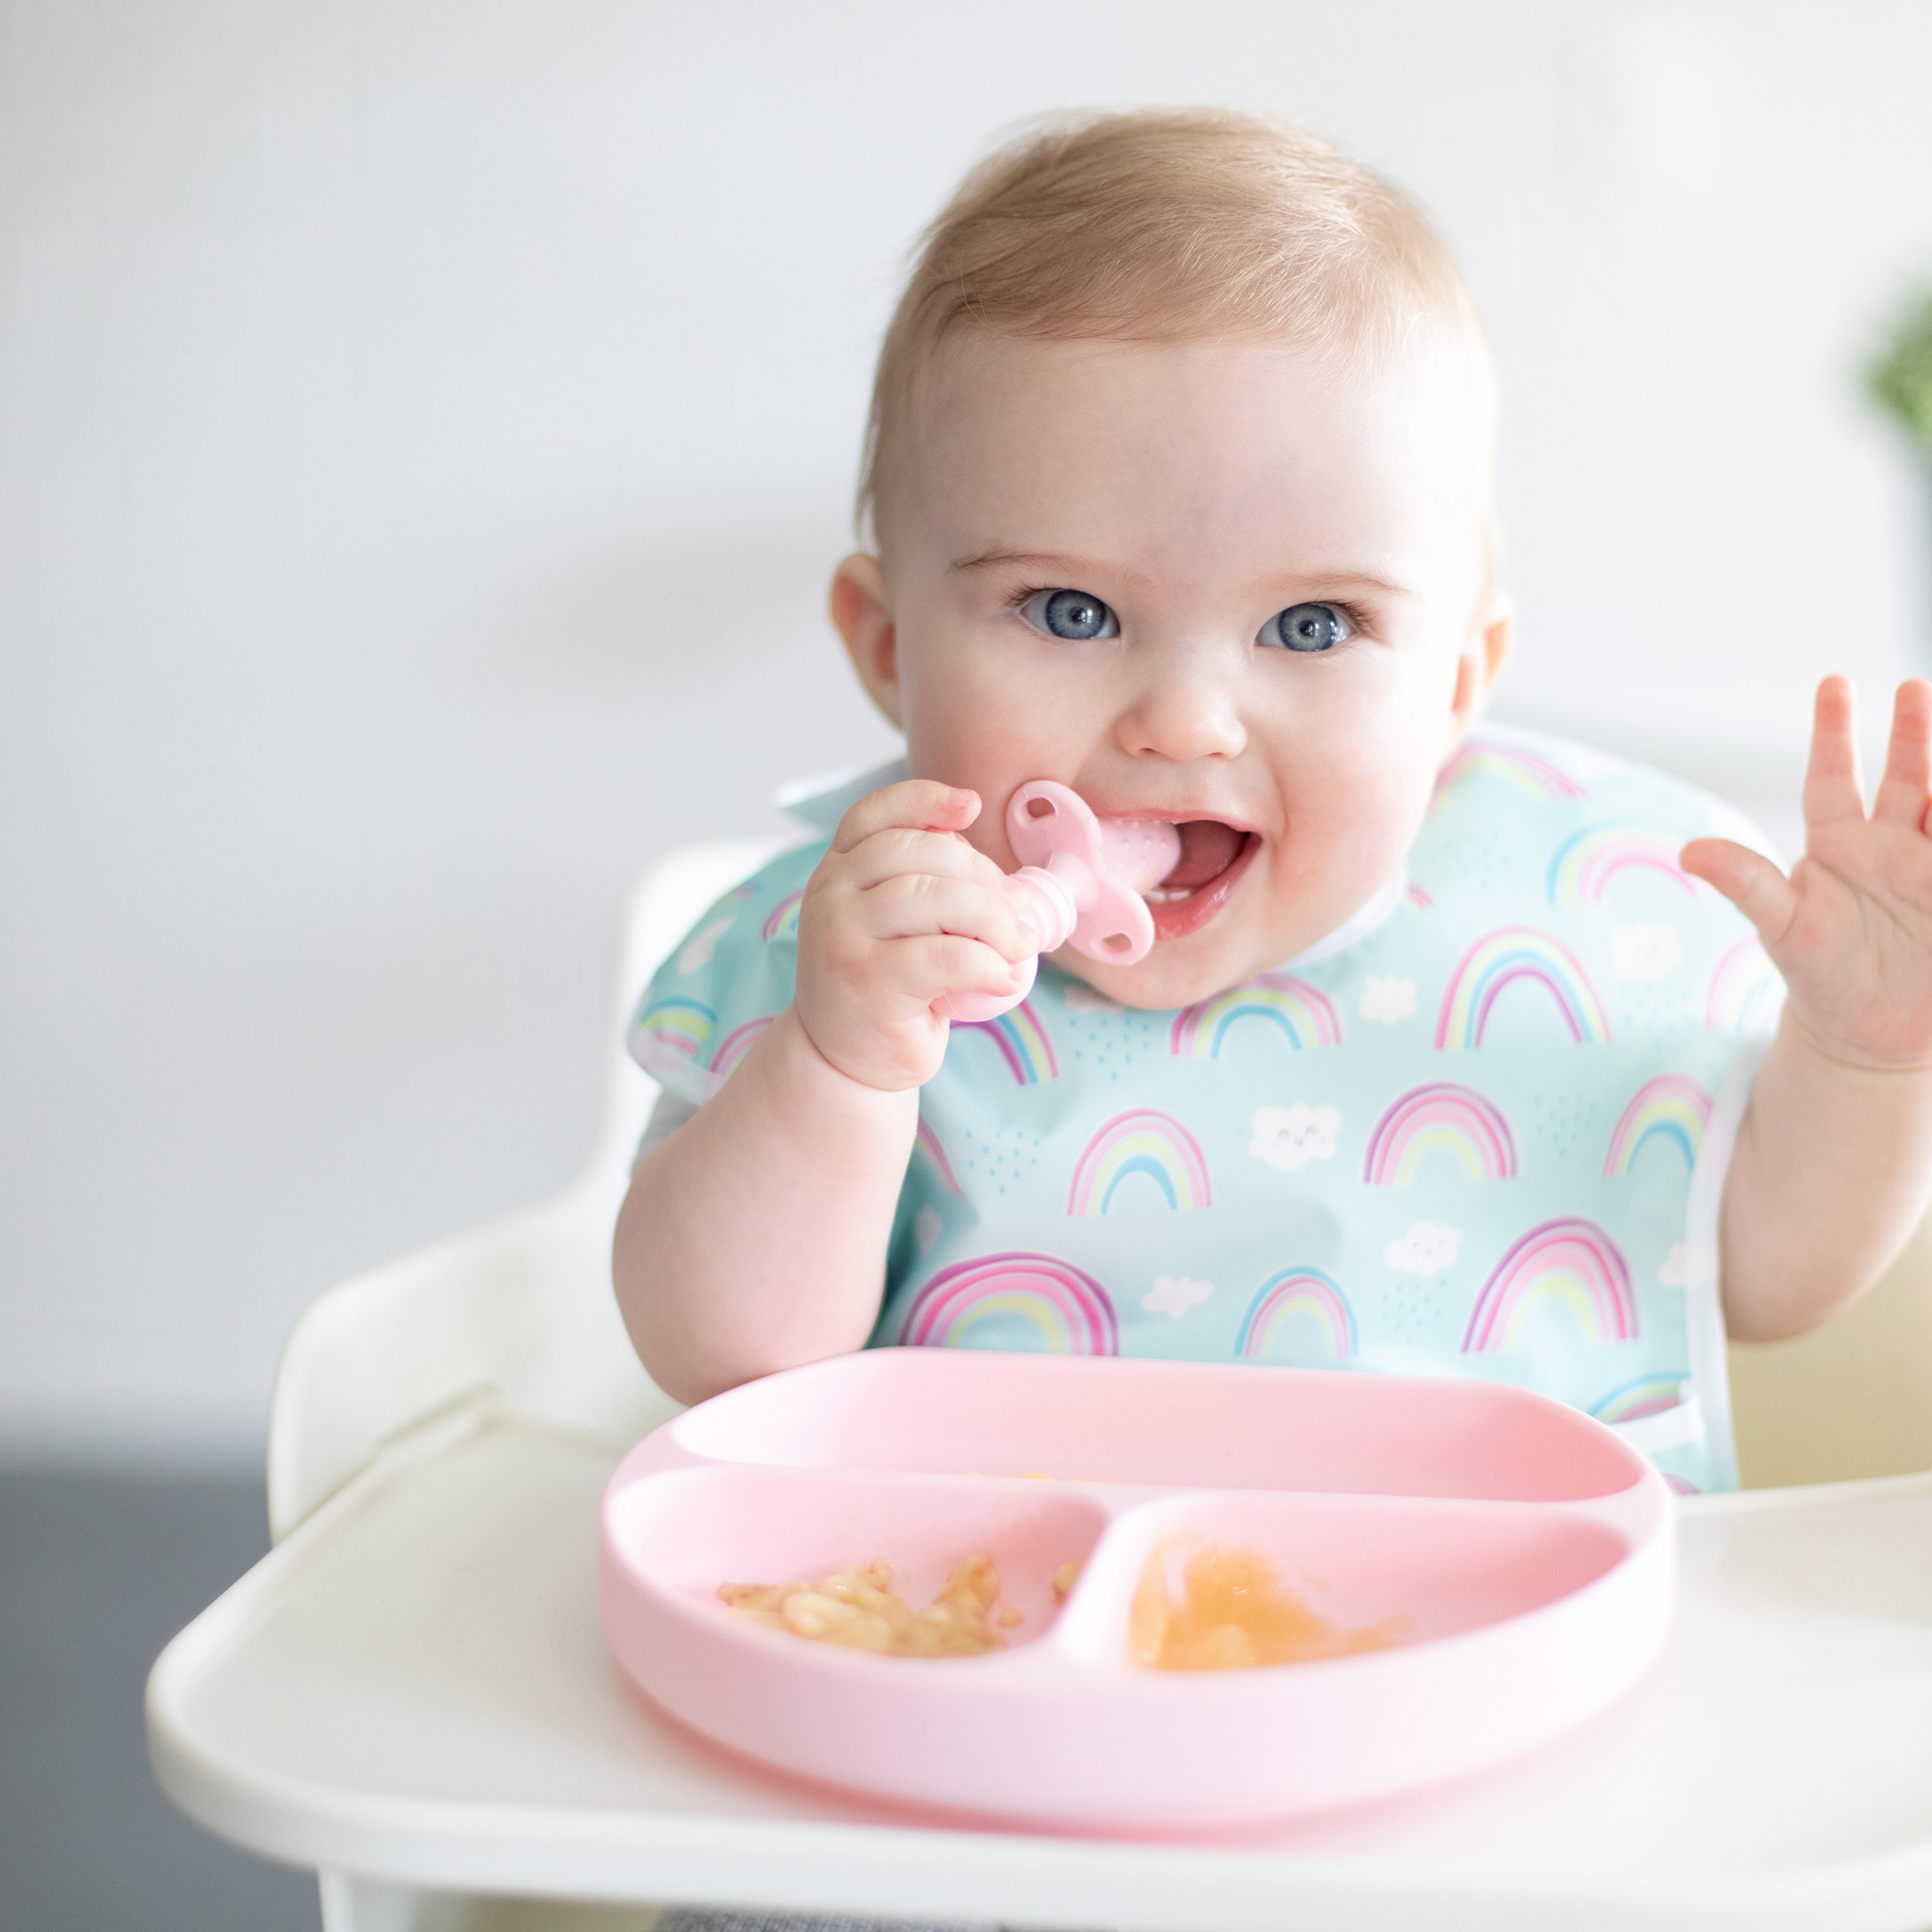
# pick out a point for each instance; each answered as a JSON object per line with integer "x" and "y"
{"x": 800, "y": 1064}
{"x": 1828, "y": 1052}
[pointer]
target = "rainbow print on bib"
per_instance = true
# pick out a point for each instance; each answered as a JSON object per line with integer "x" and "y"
{"x": 1297, "y": 1297}
{"x": 1588, "y": 862}
{"x": 1443, "y": 1119}
{"x": 1065, "y": 1308}
{"x": 1647, "y": 1395}
{"x": 1021, "y": 1041}
{"x": 926, "y": 1146}
{"x": 1671, "y": 1108}
{"x": 1525, "y": 772}
{"x": 1571, "y": 1262}
{"x": 682, "y": 1025}
{"x": 734, "y": 1046}
{"x": 1147, "y": 1143}
{"x": 1519, "y": 956}
{"x": 782, "y": 921}
{"x": 1295, "y": 1012}
{"x": 1744, "y": 987}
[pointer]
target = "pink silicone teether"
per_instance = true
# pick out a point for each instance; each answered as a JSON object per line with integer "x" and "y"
{"x": 1083, "y": 877}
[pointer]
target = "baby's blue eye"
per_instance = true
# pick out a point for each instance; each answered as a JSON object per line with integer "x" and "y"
{"x": 1069, "y": 613}
{"x": 1307, "y": 627}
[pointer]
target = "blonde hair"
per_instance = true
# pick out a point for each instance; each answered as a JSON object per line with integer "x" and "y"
{"x": 1165, "y": 226}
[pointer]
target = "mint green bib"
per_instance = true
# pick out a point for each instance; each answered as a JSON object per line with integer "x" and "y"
{"x": 1482, "y": 1132}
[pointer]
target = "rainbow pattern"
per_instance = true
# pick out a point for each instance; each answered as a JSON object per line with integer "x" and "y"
{"x": 1648, "y": 1395}
{"x": 1441, "y": 1117}
{"x": 738, "y": 893}
{"x": 1588, "y": 861}
{"x": 1067, "y": 1307}
{"x": 736, "y": 1045}
{"x": 1496, "y": 962}
{"x": 1419, "y": 896}
{"x": 924, "y": 1141}
{"x": 782, "y": 921}
{"x": 1743, "y": 980}
{"x": 1536, "y": 777}
{"x": 1303, "y": 1015}
{"x": 1303, "y": 1292}
{"x": 1571, "y": 1261}
{"x": 684, "y": 1025}
{"x": 1146, "y": 1143}
{"x": 1022, "y": 1042}
{"x": 1672, "y": 1108}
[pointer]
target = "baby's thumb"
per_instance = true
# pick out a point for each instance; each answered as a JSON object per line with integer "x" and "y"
{"x": 1747, "y": 879}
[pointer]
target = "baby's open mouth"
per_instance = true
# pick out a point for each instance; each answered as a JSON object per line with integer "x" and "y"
{"x": 1213, "y": 855}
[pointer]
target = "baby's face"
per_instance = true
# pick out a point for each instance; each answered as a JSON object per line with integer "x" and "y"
{"x": 1215, "y": 583}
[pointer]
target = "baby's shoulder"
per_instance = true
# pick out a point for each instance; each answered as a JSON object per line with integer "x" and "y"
{"x": 726, "y": 980}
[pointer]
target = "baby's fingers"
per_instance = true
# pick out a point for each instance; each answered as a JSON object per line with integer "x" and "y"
{"x": 901, "y": 849}
{"x": 1834, "y": 789}
{"x": 925, "y": 970}
{"x": 1906, "y": 788}
{"x": 1747, "y": 879}
{"x": 912, "y": 904}
{"x": 914, "y": 805}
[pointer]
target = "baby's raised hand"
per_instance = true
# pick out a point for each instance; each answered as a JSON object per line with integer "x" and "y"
{"x": 1850, "y": 929}
{"x": 900, "y": 912}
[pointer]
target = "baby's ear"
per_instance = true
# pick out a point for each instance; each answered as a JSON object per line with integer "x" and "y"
{"x": 1485, "y": 652}
{"x": 862, "y": 616}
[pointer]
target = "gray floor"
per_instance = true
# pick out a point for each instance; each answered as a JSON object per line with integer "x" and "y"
{"x": 96, "y": 1572}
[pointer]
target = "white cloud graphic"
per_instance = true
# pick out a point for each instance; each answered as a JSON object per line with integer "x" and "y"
{"x": 1428, "y": 1248}
{"x": 1647, "y": 951}
{"x": 1388, "y": 999}
{"x": 1081, "y": 998}
{"x": 1290, "y": 1137}
{"x": 700, "y": 946}
{"x": 1174, "y": 1294}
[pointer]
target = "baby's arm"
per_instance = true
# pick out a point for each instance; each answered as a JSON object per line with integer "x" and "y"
{"x": 754, "y": 1237}
{"x": 1833, "y": 1162}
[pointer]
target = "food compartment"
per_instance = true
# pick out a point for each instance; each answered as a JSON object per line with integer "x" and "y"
{"x": 1512, "y": 1562}
{"x": 1337, "y": 1579}
{"x": 1177, "y": 1425}
{"x": 679, "y": 1535}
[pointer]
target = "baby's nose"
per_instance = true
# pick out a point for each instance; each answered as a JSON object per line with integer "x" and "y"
{"x": 1183, "y": 715}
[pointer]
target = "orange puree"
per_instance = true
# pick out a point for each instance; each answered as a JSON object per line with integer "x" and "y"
{"x": 1235, "y": 1614}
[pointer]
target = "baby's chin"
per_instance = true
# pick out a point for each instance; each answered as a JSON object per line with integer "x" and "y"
{"x": 1176, "y": 973}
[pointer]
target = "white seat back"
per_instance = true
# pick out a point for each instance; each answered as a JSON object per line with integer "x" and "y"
{"x": 520, "y": 1312}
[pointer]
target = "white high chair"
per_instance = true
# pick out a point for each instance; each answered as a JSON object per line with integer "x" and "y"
{"x": 411, "y": 1690}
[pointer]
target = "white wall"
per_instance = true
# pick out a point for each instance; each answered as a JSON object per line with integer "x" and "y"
{"x": 425, "y": 429}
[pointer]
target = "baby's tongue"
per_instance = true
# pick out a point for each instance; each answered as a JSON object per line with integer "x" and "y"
{"x": 1208, "y": 848}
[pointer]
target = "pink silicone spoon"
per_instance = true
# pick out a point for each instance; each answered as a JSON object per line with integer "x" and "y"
{"x": 1083, "y": 877}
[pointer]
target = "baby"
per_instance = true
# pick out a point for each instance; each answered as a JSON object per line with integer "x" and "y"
{"x": 1451, "y": 1056}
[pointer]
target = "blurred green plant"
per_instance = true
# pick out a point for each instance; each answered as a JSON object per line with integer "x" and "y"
{"x": 1900, "y": 383}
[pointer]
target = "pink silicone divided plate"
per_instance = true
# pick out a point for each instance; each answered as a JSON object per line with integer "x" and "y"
{"x": 1530, "y": 1552}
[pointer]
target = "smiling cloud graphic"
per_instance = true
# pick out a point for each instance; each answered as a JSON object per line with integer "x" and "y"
{"x": 1388, "y": 1000}
{"x": 1174, "y": 1294}
{"x": 1647, "y": 951}
{"x": 1290, "y": 1137}
{"x": 1428, "y": 1248}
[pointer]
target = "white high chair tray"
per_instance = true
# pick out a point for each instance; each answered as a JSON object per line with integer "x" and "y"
{"x": 415, "y": 1686}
